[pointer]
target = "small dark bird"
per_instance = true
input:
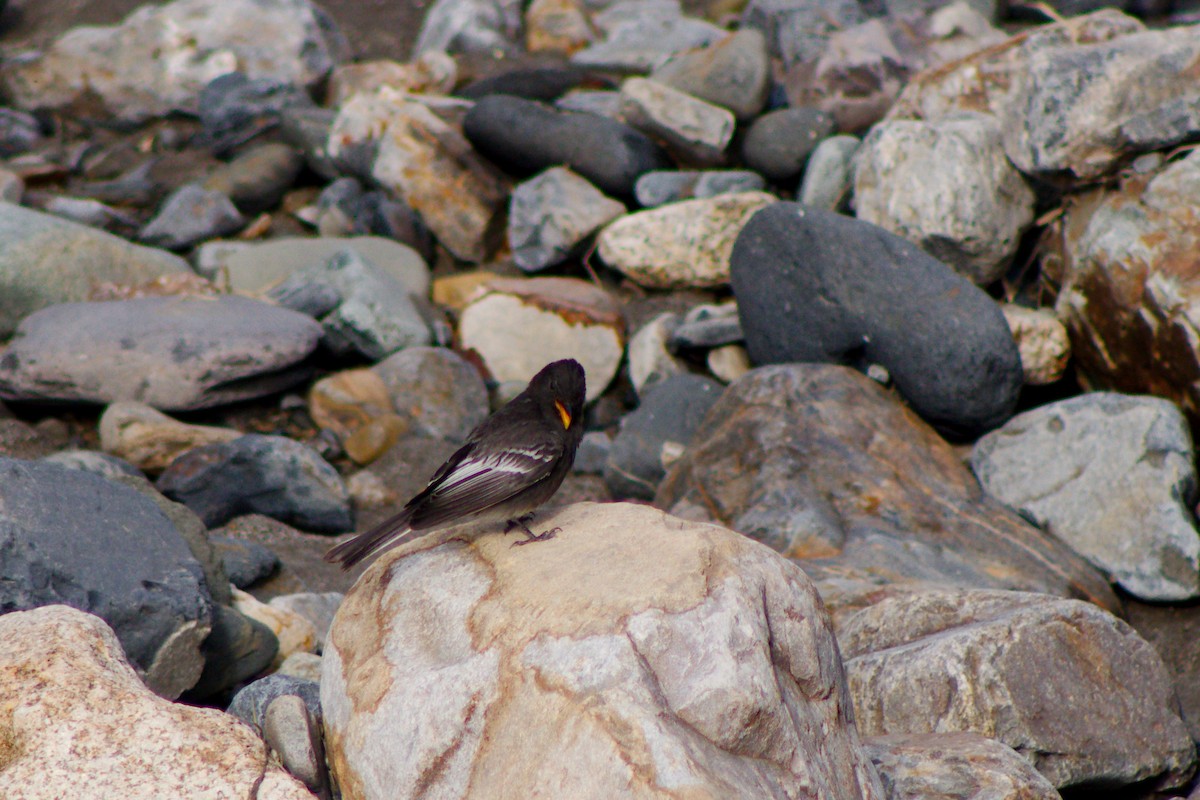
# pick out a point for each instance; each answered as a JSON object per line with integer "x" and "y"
{"x": 511, "y": 464}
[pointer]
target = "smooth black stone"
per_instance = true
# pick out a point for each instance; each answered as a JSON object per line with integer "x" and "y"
{"x": 525, "y": 137}
{"x": 815, "y": 286}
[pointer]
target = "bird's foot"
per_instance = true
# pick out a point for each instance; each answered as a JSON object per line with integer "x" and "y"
{"x": 530, "y": 536}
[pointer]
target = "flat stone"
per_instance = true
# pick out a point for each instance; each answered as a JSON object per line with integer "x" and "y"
{"x": 1111, "y": 475}
{"x": 734, "y": 73}
{"x": 552, "y": 214}
{"x": 173, "y": 353}
{"x": 698, "y": 132}
{"x": 685, "y": 244}
{"x": 46, "y": 260}
{"x": 75, "y": 700}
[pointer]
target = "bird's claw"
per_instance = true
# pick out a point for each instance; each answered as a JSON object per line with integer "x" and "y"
{"x": 540, "y": 537}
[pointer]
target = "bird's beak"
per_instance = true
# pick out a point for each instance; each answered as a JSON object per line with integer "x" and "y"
{"x": 563, "y": 414}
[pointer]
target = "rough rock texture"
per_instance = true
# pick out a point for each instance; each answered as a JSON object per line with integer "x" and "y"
{"x": 948, "y": 187}
{"x": 1130, "y": 296}
{"x": 136, "y": 572}
{"x": 685, "y": 244}
{"x": 77, "y": 722}
{"x": 551, "y": 214}
{"x": 173, "y": 353}
{"x": 813, "y": 285}
{"x": 655, "y": 658}
{"x": 519, "y": 326}
{"x": 149, "y": 439}
{"x": 160, "y": 58}
{"x": 1064, "y": 683}
{"x": 954, "y": 766}
{"x": 46, "y": 260}
{"x": 820, "y": 463}
{"x": 1111, "y": 475}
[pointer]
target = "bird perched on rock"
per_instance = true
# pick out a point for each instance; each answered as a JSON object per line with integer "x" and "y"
{"x": 510, "y": 465}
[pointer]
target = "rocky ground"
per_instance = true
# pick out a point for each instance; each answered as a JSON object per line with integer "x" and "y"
{"x": 888, "y": 316}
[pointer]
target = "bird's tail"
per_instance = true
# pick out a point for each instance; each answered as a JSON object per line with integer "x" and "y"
{"x": 390, "y": 533}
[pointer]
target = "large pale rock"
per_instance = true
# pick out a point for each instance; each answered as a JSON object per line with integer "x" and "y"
{"x": 428, "y": 163}
{"x": 519, "y": 326}
{"x": 46, "y": 260}
{"x": 1111, "y": 475}
{"x": 822, "y": 464}
{"x": 947, "y": 186}
{"x": 1130, "y": 295}
{"x": 1068, "y": 685}
{"x": 77, "y": 722}
{"x": 684, "y": 244}
{"x": 654, "y": 658}
{"x": 161, "y": 57}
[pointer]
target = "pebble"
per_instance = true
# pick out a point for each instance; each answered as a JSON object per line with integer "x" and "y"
{"x": 829, "y": 175}
{"x": 695, "y": 131}
{"x": 1043, "y": 342}
{"x": 237, "y": 649}
{"x": 246, "y": 563}
{"x": 250, "y": 705}
{"x": 149, "y": 439}
{"x": 102, "y": 464}
{"x": 811, "y": 285}
{"x": 707, "y": 326}
{"x": 728, "y": 363}
{"x": 779, "y": 142}
{"x": 797, "y": 30}
{"x": 191, "y": 215}
{"x": 258, "y": 177}
{"x": 316, "y": 607}
{"x": 666, "y": 186}
{"x": 173, "y": 353}
{"x": 685, "y": 244}
{"x": 519, "y": 326}
{"x": 650, "y": 359}
{"x": 433, "y": 72}
{"x": 257, "y": 474}
{"x": 294, "y": 735}
{"x": 235, "y": 107}
{"x": 641, "y": 34}
{"x": 552, "y": 214}
{"x": 435, "y": 391}
{"x": 306, "y": 666}
{"x": 734, "y": 73}
{"x": 295, "y": 633}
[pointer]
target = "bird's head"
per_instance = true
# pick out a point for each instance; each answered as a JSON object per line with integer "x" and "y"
{"x": 562, "y": 386}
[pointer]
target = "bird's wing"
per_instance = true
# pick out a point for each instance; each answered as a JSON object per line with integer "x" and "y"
{"x": 480, "y": 480}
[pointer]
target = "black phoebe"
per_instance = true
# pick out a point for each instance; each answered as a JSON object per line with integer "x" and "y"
{"x": 511, "y": 464}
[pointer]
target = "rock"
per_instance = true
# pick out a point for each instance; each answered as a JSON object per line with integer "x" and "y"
{"x": 469, "y": 26}
{"x": 151, "y": 440}
{"x": 592, "y": 454}
{"x": 667, "y": 186}
{"x": 820, "y": 463}
{"x": 1174, "y": 632}
{"x": 552, "y": 214}
{"x": 654, "y": 435}
{"x": 306, "y": 666}
{"x": 347, "y": 401}
{"x": 136, "y": 571}
{"x": 234, "y": 107}
{"x": 84, "y": 211}
{"x": 294, "y": 736}
{"x": 173, "y": 353}
{"x": 1082, "y": 109}
{"x": 258, "y": 178}
{"x": 948, "y": 187}
{"x": 1042, "y": 341}
{"x": 707, "y": 326}
{"x": 456, "y": 291}
{"x": 603, "y": 615}
{"x": 650, "y": 361}
{"x": 544, "y": 83}
{"x": 101, "y": 464}
{"x": 12, "y": 187}
{"x": 696, "y": 131}
{"x": 295, "y": 633}
{"x": 525, "y": 137}
{"x": 518, "y": 326}
{"x": 599, "y": 102}
{"x": 270, "y": 475}
{"x": 237, "y": 649}
{"x": 260, "y": 266}
{"x": 556, "y": 26}
{"x": 1113, "y": 477}
{"x": 250, "y": 705}
{"x": 160, "y": 58}
{"x": 1128, "y": 326}
{"x": 419, "y": 157}
{"x": 246, "y": 563}
{"x": 684, "y": 244}
{"x": 76, "y": 701}
{"x": 642, "y": 34}
{"x": 779, "y": 142}
{"x": 433, "y": 72}
{"x": 46, "y": 260}
{"x": 728, "y": 363}
{"x": 376, "y": 315}
{"x": 999, "y": 664}
{"x": 19, "y": 439}
{"x": 812, "y": 285}
{"x": 19, "y": 132}
{"x": 316, "y": 607}
{"x": 797, "y": 30}
{"x": 436, "y": 391}
{"x": 916, "y": 766}
{"x": 734, "y": 73}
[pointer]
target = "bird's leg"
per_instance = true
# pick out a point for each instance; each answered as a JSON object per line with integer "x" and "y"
{"x": 530, "y": 536}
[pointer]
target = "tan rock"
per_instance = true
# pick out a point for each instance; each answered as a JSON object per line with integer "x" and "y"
{"x": 77, "y": 723}
{"x": 346, "y": 401}
{"x": 517, "y": 326}
{"x": 729, "y": 362}
{"x": 685, "y": 244}
{"x": 455, "y": 291}
{"x": 653, "y": 658}
{"x": 556, "y": 26}
{"x": 149, "y": 439}
{"x": 1042, "y": 341}
{"x": 433, "y": 72}
{"x": 295, "y": 633}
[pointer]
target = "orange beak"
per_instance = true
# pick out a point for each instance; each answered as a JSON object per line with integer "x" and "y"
{"x": 563, "y": 414}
